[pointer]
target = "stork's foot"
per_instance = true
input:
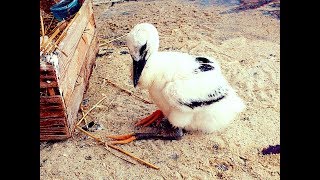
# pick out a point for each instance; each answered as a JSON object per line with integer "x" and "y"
{"x": 155, "y": 116}
{"x": 164, "y": 134}
{"x": 163, "y": 130}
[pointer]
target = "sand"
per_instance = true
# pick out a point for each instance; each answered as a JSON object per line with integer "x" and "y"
{"x": 247, "y": 45}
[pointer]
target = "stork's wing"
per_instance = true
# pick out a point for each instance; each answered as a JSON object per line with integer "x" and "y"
{"x": 204, "y": 85}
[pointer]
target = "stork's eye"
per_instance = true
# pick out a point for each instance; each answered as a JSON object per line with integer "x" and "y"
{"x": 142, "y": 49}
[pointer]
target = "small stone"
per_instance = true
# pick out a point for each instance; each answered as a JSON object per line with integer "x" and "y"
{"x": 222, "y": 167}
{"x": 215, "y": 146}
{"x": 174, "y": 156}
{"x": 88, "y": 157}
{"x": 124, "y": 52}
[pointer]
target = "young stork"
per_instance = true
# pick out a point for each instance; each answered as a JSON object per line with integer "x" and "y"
{"x": 190, "y": 91}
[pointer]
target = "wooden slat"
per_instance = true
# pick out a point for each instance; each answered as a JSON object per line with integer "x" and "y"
{"x": 76, "y": 97}
{"x": 52, "y": 106}
{"x": 91, "y": 57}
{"x": 50, "y": 100}
{"x": 50, "y": 130}
{"x": 74, "y": 33}
{"x": 54, "y": 130}
{"x": 68, "y": 84}
{"x": 48, "y": 85}
{"x": 48, "y": 114}
{"x": 59, "y": 120}
{"x": 49, "y": 107}
{"x": 53, "y": 137}
{"x": 51, "y": 77}
{"x": 54, "y": 127}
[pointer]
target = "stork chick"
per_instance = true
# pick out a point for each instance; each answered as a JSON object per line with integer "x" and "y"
{"x": 190, "y": 91}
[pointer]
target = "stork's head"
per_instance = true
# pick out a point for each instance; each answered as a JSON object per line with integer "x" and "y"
{"x": 142, "y": 41}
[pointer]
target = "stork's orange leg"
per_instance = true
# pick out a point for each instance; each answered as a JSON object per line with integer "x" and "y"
{"x": 150, "y": 119}
{"x": 122, "y": 139}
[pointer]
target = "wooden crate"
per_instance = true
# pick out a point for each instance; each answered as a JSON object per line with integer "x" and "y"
{"x": 62, "y": 86}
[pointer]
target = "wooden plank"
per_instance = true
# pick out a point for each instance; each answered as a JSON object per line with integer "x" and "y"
{"x": 58, "y": 131}
{"x": 70, "y": 66}
{"x": 74, "y": 33}
{"x": 48, "y": 77}
{"x": 73, "y": 72}
{"x": 91, "y": 57}
{"x": 77, "y": 95}
{"x": 48, "y": 114}
{"x": 47, "y": 72}
{"x": 54, "y": 129}
{"x": 53, "y": 137}
{"x": 48, "y": 85}
{"x": 58, "y": 120}
{"x": 50, "y": 107}
{"x": 79, "y": 59}
{"x": 51, "y": 100}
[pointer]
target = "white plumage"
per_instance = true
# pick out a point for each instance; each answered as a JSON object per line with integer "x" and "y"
{"x": 190, "y": 90}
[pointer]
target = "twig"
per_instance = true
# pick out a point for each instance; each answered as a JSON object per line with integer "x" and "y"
{"x": 127, "y": 91}
{"x": 100, "y": 141}
{"x": 49, "y": 25}
{"x": 119, "y": 149}
{"x": 120, "y": 157}
{"x": 63, "y": 34}
{"x": 91, "y": 109}
{"x": 112, "y": 146}
{"x": 45, "y": 31}
{"x": 111, "y": 103}
{"x": 60, "y": 25}
{"x": 42, "y": 29}
{"x": 132, "y": 156}
{"x": 56, "y": 46}
{"x": 44, "y": 47}
{"x": 103, "y": 44}
{"x": 87, "y": 133}
{"x": 82, "y": 112}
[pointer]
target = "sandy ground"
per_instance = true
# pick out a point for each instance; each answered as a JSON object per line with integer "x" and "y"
{"x": 247, "y": 45}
